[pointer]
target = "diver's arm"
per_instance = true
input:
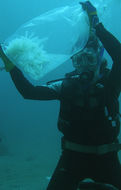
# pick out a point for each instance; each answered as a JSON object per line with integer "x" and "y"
{"x": 113, "y": 47}
{"x": 28, "y": 91}
{"x": 110, "y": 43}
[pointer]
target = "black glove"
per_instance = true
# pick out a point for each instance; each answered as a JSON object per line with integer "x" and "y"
{"x": 8, "y": 64}
{"x": 92, "y": 13}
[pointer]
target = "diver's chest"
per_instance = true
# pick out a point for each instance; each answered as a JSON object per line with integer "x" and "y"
{"x": 90, "y": 96}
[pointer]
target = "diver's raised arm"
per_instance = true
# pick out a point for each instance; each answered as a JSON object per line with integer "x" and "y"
{"x": 28, "y": 91}
{"x": 110, "y": 43}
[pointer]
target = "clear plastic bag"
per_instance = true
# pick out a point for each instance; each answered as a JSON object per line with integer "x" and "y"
{"x": 47, "y": 41}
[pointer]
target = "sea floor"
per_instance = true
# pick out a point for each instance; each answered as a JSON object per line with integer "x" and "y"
{"x": 20, "y": 174}
{"x": 25, "y": 173}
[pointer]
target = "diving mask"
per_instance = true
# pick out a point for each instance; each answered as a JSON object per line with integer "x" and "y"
{"x": 85, "y": 61}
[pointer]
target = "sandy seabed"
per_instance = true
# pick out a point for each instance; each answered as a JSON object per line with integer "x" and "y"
{"x": 26, "y": 172}
{"x": 20, "y": 174}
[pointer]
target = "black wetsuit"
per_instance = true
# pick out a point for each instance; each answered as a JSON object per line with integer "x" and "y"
{"x": 88, "y": 116}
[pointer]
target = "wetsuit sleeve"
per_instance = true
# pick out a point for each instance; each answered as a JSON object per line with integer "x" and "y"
{"x": 28, "y": 91}
{"x": 113, "y": 47}
{"x": 111, "y": 44}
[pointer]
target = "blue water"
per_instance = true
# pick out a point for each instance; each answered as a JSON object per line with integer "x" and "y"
{"x": 29, "y": 128}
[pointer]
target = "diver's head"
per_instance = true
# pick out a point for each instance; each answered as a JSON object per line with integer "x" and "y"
{"x": 87, "y": 60}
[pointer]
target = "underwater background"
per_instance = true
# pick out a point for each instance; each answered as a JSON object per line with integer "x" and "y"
{"x": 29, "y": 138}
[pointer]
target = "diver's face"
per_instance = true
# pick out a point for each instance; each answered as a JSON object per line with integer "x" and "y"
{"x": 85, "y": 61}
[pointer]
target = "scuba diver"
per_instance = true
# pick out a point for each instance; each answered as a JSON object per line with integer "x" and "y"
{"x": 89, "y": 110}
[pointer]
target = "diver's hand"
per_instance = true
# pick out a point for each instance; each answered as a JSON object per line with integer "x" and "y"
{"x": 92, "y": 13}
{"x": 8, "y": 64}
